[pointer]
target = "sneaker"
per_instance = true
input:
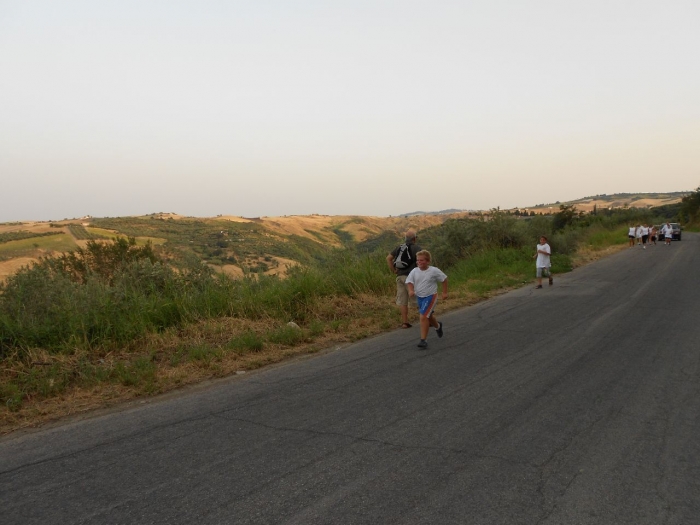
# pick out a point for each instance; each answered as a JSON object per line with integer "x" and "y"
{"x": 423, "y": 344}
{"x": 438, "y": 330}
{"x": 538, "y": 286}
{"x": 551, "y": 281}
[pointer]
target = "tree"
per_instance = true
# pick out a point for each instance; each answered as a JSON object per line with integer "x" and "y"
{"x": 566, "y": 216}
{"x": 690, "y": 207}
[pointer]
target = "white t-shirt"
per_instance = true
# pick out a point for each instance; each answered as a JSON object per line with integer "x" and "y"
{"x": 543, "y": 261}
{"x": 632, "y": 230}
{"x": 667, "y": 230}
{"x": 425, "y": 281}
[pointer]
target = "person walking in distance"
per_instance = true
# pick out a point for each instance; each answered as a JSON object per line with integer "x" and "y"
{"x": 645, "y": 236}
{"x": 638, "y": 233}
{"x": 631, "y": 235}
{"x": 668, "y": 234}
{"x": 401, "y": 261}
{"x": 422, "y": 283}
{"x": 544, "y": 262}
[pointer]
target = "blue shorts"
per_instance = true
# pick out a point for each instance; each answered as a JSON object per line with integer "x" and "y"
{"x": 426, "y": 305}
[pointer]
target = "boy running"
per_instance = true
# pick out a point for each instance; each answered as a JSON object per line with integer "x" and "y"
{"x": 422, "y": 283}
{"x": 544, "y": 262}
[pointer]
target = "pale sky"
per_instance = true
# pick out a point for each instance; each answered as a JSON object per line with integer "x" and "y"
{"x": 272, "y": 107}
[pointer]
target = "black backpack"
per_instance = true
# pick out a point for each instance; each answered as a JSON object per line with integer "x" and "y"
{"x": 404, "y": 258}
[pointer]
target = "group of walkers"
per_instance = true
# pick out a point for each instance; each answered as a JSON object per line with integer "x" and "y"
{"x": 417, "y": 279}
{"x": 644, "y": 234}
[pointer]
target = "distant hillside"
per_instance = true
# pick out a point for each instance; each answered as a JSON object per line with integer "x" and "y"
{"x": 230, "y": 244}
{"x": 586, "y": 204}
{"x": 613, "y": 201}
{"x": 261, "y": 245}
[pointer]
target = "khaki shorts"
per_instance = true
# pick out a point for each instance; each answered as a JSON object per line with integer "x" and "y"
{"x": 401, "y": 290}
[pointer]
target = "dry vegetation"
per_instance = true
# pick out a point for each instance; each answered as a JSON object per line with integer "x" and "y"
{"x": 375, "y": 315}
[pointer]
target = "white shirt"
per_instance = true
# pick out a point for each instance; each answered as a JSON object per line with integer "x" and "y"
{"x": 667, "y": 230}
{"x": 543, "y": 260}
{"x": 425, "y": 281}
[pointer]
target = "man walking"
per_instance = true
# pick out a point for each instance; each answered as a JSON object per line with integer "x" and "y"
{"x": 401, "y": 261}
{"x": 668, "y": 234}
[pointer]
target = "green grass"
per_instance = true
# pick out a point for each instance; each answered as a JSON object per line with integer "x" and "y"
{"x": 56, "y": 243}
{"x": 22, "y": 234}
{"x": 287, "y": 335}
{"x": 246, "y": 342}
{"x": 110, "y": 234}
{"x": 600, "y": 238}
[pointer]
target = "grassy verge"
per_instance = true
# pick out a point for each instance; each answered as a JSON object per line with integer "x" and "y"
{"x": 190, "y": 327}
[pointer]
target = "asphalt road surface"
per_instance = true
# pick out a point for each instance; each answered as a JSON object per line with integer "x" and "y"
{"x": 574, "y": 404}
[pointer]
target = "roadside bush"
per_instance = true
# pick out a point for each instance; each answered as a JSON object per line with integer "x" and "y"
{"x": 102, "y": 259}
{"x": 100, "y": 295}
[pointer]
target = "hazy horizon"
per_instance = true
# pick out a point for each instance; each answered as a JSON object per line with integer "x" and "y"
{"x": 352, "y": 108}
{"x": 403, "y": 214}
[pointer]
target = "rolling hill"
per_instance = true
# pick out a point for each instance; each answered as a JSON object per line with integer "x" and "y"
{"x": 261, "y": 245}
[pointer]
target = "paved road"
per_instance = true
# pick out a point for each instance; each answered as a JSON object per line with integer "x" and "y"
{"x": 575, "y": 404}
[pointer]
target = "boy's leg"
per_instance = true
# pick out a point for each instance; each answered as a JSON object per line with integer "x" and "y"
{"x": 426, "y": 321}
{"x": 425, "y": 309}
{"x": 436, "y": 324}
{"x": 424, "y": 326}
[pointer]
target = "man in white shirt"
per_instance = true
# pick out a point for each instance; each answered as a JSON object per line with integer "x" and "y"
{"x": 668, "y": 233}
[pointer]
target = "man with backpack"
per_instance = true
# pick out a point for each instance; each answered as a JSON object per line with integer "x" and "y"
{"x": 401, "y": 261}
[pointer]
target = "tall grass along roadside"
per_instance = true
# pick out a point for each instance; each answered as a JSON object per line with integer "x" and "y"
{"x": 117, "y": 313}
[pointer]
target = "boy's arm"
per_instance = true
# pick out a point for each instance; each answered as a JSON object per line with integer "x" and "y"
{"x": 411, "y": 291}
{"x": 444, "y": 289}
